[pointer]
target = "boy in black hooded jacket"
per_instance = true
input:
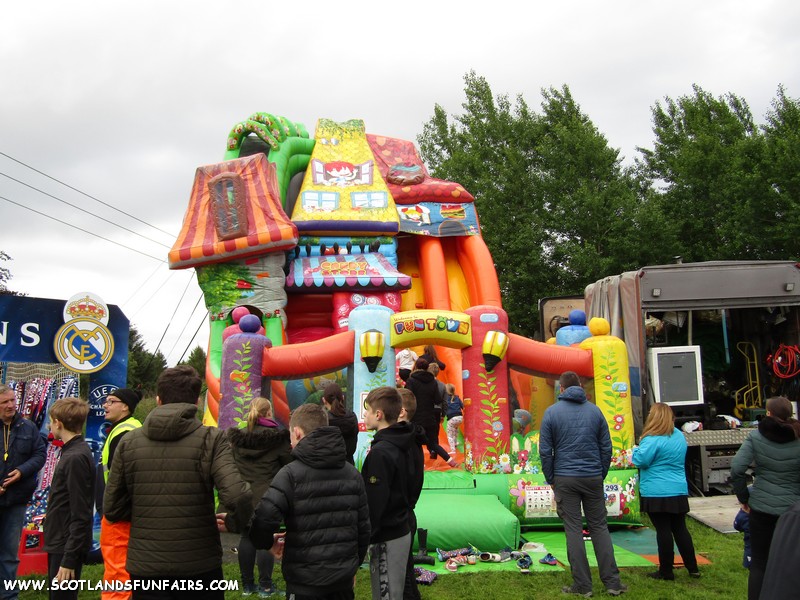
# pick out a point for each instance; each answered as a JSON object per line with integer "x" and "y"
{"x": 321, "y": 498}
{"x": 386, "y": 478}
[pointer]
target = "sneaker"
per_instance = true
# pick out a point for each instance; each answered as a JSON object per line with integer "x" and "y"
{"x": 452, "y": 564}
{"x": 661, "y": 576}
{"x": 248, "y": 589}
{"x": 695, "y": 574}
{"x": 548, "y": 559}
{"x": 270, "y": 592}
{"x": 524, "y": 564}
{"x": 568, "y": 589}
{"x": 617, "y": 591}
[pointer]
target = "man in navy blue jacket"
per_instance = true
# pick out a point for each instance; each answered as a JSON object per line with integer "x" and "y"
{"x": 23, "y": 455}
{"x": 575, "y": 448}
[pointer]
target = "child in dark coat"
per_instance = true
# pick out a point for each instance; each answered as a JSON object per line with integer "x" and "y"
{"x": 386, "y": 476}
{"x": 260, "y": 451}
{"x": 68, "y": 523}
{"x": 321, "y": 499}
{"x": 742, "y": 523}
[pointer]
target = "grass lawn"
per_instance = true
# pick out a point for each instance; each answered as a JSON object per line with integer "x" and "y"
{"x": 724, "y": 578}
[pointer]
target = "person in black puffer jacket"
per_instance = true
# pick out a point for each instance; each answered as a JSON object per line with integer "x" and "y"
{"x": 259, "y": 452}
{"x": 321, "y": 498}
{"x": 425, "y": 388}
{"x": 339, "y": 416}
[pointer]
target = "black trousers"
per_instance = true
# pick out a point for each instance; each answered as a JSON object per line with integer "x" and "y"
{"x": 53, "y": 564}
{"x": 669, "y": 527}
{"x": 202, "y": 580}
{"x": 411, "y": 591}
{"x": 762, "y": 527}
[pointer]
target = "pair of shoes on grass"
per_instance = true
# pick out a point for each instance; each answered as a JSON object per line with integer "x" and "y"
{"x": 662, "y": 576}
{"x": 452, "y": 564}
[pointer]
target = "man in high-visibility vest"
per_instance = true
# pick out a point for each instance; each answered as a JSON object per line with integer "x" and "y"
{"x": 119, "y": 407}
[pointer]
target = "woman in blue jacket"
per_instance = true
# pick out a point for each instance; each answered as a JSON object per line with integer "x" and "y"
{"x": 663, "y": 492}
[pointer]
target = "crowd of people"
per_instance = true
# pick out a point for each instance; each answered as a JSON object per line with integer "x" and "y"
{"x": 167, "y": 487}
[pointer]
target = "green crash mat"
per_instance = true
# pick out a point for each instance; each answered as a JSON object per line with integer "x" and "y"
{"x": 556, "y": 544}
{"x": 455, "y": 521}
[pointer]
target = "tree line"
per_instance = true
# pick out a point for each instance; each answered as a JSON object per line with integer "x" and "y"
{"x": 559, "y": 210}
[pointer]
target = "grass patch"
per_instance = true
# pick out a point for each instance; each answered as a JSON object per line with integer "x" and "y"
{"x": 724, "y": 578}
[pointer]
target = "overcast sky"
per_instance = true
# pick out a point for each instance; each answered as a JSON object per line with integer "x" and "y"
{"x": 124, "y": 100}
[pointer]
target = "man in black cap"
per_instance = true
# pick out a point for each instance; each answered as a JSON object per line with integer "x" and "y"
{"x": 119, "y": 407}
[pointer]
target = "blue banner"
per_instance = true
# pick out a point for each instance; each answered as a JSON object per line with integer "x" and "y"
{"x": 29, "y": 328}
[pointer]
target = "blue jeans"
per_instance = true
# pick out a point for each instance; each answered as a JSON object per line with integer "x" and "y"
{"x": 11, "y": 518}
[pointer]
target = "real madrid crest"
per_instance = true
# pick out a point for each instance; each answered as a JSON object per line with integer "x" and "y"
{"x": 84, "y": 344}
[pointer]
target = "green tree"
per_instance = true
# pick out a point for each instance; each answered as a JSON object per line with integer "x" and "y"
{"x": 197, "y": 360}
{"x": 707, "y": 171}
{"x": 488, "y": 150}
{"x": 782, "y": 133}
{"x": 144, "y": 367}
{"x": 556, "y": 208}
{"x": 596, "y": 220}
{"x": 5, "y": 276}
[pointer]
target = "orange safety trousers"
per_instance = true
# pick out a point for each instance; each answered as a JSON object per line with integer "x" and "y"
{"x": 114, "y": 544}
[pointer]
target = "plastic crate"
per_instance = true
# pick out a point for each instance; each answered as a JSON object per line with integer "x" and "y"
{"x": 32, "y": 561}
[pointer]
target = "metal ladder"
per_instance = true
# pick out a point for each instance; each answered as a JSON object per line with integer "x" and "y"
{"x": 748, "y": 396}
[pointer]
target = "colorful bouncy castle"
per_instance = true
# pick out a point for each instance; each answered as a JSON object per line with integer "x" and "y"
{"x": 321, "y": 258}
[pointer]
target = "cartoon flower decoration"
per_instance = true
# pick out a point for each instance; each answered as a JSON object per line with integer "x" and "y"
{"x": 497, "y": 426}
{"x": 238, "y": 376}
{"x": 505, "y": 460}
{"x": 242, "y": 388}
{"x": 518, "y": 469}
{"x": 519, "y": 492}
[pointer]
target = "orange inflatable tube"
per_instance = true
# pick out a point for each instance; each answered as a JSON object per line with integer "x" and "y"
{"x": 479, "y": 271}
{"x": 547, "y": 359}
{"x": 309, "y": 358}
{"x": 279, "y": 403}
{"x": 433, "y": 272}
{"x": 212, "y": 397}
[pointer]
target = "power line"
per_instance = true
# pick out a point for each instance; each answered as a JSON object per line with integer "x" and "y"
{"x": 84, "y": 210}
{"x": 85, "y": 194}
{"x": 140, "y": 287}
{"x": 153, "y": 295}
{"x": 153, "y": 355}
{"x": 81, "y": 229}
{"x": 192, "y": 340}
{"x": 177, "y": 339}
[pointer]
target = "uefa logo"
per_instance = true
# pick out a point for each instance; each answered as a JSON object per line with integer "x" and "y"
{"x": 84, "y": 344}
